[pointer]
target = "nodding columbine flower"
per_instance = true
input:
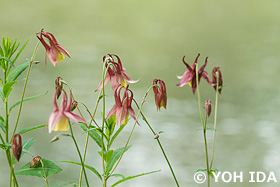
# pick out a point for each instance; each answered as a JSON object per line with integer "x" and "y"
{"x": 35, "y": 162}
{"x": 208, "y": 106}
{"x": 115, "y": 74}
{"x": 17, "y": 146}
{"x": 122, "y": 107}
{"x": 160, "y": 94}
{"x": 54, "y": 50}
{"x": 214, "y": 79}
{"x": 59, "y": 118}
{"x": 189, "y": 77}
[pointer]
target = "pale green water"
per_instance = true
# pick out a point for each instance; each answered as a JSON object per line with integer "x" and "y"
{"x": 151, "y": 37}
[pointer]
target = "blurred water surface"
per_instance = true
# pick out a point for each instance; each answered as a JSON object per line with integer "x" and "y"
{"x": 151, "y": 37}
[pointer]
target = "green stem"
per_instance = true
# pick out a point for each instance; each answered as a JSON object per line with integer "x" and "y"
{"x": 215, "y": 123}
{"x": 103, "y": 124}
{"x": 10, "y": 161}
{"x": 79, "y": 153}
{"x": 46, "y": 179}
{"x": 204, "y": 127}
{"x": 160, "y": 145}
{"x": 24, "y": 88}
{"x": 138, "y": 114}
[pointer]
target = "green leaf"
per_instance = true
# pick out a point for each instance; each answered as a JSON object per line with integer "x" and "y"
{"x": 30, "y": 129}
{"x": 116, "y": 155}
{"x": 107, "y": 155}
{"x": 212, "y": 129}
{"x": 2, "y": 124}
{"x": 118, "y": 175}
{"x": 15, "y": 73}
{"x": 7, "y": 88}
{"x": 59, "y": 185}
{"x": 27, "y": 99}
{"x": 116, "y": 134}
{"x": 21, "y": 49}
{"x": 86, "y": 166}
{"x": 93, "y": 134}
{"x": 26, "y": 144}
{"x": 8, "y": 60}
{"x": 5, "y": 146}
{"x": 110, "y": 124}
{"x": 132, "y": 177}
{"x": 201, "y": 170}
{"x": 50, "y": 168}
{"x": 1, "y": 93}
{"x": 213, "y": 171}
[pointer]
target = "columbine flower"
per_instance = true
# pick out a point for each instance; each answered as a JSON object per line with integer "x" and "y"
{"x": 54, "y": 51}
{"x": 160, "y": 95}
{"x": 122, "y": 107}
{"x": 214, "y": 79}
{"x": 59, "y": 118}
{"x": 189, "y": 77}
{"x": 115, "y": 74}
{"x": 17, "y": 146}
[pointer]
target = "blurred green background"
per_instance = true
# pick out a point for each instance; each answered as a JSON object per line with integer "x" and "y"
{"x": 151, "y": 37}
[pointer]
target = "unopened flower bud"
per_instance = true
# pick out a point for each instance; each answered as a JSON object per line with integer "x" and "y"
{"x": 35, "y": 162}
{"x": 59, "y": 86}
{"x": 17, "y": 146}
{"x": 74, "y": 104}
{"x": 54, "y": 139}
{"x": 208, "y": 106}
{"x": 156, "y": 136}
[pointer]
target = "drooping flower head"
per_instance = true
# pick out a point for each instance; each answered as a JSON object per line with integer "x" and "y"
{"x": 116, "y": 73}
{"x": 160, "y": 94}
{"x": 54, "y": 50}
{"x": 122, "y": 107}
{"x": 215, "y": 71}
{"x": 59, "y": 118}
{"x": 189, "y": 77}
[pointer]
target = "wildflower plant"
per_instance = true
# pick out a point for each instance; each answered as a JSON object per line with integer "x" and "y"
{"x": 103, "y": 133}
{"x": 192, "y": 77}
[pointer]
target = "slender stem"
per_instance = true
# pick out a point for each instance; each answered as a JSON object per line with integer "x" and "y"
{"x": 79, "y": 153}
{"x": 8, "y": 153}
{"x": 10, "y": 161}
{"x": 46, "y": 179}
{"x": 103, "y": 124}
{"x": 204, "y": 127}
{"x": 24, "y": 88}
{"x": 215, "y": 123}
{"x": 160, "y": 145}
{"x": 138, "y": 114}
